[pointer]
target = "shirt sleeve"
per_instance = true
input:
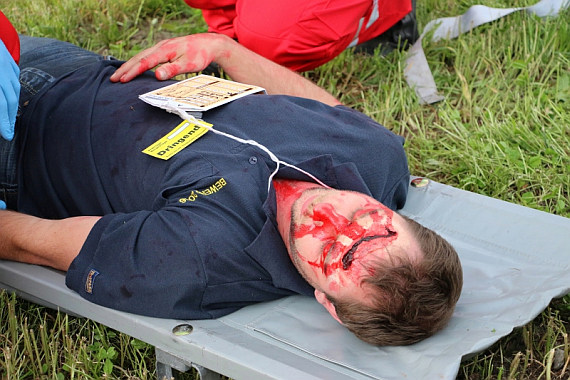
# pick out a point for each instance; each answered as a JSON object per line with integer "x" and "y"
{"x": 381, "y": 160}
{"x": 144, "y": 262}
{"x": 10, "y": 37}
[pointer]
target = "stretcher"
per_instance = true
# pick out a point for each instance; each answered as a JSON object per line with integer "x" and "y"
{"x": 515, "y": 260}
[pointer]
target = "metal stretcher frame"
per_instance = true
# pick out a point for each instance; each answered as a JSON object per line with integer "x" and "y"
{"x": 515, "y": 261}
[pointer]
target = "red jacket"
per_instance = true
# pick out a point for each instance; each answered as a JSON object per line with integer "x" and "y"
{"x": 301, "y": 34}
{"x": 10, "y": 37}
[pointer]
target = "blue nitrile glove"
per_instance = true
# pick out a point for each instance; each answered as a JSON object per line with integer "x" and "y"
{"x": 2, "y": 205}
{"x": 10, "y": 92}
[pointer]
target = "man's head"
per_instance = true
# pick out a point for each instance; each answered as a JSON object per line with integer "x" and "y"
{"x": 385, "y": 277}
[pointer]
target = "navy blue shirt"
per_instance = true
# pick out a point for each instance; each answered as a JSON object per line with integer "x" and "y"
{"x": 193, "y": 237}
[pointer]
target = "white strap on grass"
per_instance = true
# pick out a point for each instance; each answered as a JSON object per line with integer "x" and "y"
{"x": 186, "y": 116}
{"x": 417, "y": 71}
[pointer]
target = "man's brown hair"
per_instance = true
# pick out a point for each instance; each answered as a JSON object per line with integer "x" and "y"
{"x": 412, "y": 299}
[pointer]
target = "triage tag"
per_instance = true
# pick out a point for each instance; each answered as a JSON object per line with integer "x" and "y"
{"x": 179, "y": 138}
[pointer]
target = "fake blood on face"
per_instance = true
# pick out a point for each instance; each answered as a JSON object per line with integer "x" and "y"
{"x": 369, "y": 230}
{"x": 330, "y": 230}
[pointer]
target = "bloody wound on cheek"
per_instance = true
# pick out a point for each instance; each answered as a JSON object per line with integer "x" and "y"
{"x": 349, "y": 256}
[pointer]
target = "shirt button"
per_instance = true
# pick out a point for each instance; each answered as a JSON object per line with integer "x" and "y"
{"x": 253, "y": 160}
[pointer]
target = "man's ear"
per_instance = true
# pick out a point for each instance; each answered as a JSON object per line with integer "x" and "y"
{"x": 323, "y": 300}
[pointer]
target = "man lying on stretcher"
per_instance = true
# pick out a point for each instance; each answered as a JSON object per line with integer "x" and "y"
{"x": 200, "y": 235}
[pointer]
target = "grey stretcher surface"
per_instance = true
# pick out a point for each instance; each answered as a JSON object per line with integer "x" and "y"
{"x": 515, "y": 260}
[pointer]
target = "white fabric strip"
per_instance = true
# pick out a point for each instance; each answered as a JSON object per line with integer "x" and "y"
{"x": 373, "y": 18}
{"x": 374, "y": 15}
{"x": 417, "y": 71}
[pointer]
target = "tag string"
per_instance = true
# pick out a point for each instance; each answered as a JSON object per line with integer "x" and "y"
{"x": 185, "y": 116}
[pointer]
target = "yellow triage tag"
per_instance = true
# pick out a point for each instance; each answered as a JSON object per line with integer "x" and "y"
{"x": 176, "y": 140}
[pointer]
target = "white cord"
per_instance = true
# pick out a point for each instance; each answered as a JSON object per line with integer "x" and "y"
{"x": 185, "y": 116}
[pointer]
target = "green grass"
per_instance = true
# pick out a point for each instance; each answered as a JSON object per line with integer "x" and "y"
{"x": 503, "y": 131}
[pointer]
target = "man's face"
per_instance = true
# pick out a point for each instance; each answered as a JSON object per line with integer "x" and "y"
{"x": 335, "y": 237}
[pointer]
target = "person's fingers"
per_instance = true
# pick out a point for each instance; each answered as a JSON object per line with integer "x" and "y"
{"x": 181, "y": 65}
{"x": 167, "y": 71}
{"x": 9, "y": 93}
{"x": 6, "y": 127}
{"x": 191, "y": 57}
{"x": 125, "y": 67}
{"x": 138, "y": 64}
{"x": 133, "y": 68}
{"x": 12, "y": 95}
{"x": 166, "y": 56}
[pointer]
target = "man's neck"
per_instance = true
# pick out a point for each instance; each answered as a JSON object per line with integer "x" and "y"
{"x": 287, "y": 192}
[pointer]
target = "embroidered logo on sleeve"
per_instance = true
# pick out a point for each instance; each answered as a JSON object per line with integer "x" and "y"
{"x": 90, "y": 281}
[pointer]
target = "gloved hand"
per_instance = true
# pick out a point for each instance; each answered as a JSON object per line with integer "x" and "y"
{"x": 9, "y": 94}
{"x": 2, "y": 205}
